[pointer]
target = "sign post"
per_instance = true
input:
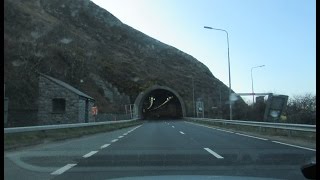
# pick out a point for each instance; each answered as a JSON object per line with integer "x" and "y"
{"x": 200, "y": 108}
{"x": 94, "y": 112}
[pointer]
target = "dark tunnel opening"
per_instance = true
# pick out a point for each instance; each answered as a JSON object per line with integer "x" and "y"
{"x": 161, "y": 104}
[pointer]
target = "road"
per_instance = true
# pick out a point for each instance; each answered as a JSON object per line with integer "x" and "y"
{"x": 158, "y": 148}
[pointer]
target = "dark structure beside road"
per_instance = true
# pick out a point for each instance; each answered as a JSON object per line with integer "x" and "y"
{"x": 59, "y": 102}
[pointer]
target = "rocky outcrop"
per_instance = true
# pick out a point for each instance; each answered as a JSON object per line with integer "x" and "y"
{"x": 73, "y": 39}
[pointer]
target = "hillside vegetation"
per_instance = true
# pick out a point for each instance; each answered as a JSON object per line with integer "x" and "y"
{"x": 69, "y": 39}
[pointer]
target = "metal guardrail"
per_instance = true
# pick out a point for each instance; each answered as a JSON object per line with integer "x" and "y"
{"x": 60, "y": 126}
{"x": 296, "y": 127}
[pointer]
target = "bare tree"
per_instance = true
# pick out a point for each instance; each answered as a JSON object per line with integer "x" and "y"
{"x": 302, "y": 109}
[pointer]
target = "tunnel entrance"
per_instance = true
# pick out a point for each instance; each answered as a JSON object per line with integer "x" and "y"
{"x": 160, "y": 102}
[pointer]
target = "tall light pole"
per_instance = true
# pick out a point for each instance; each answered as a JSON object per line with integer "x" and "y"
{"x": 194, "y": 109}
{"x": 193, "y": 105}
{"x": 252, "y": 82}
{"x": 230, "y": 103}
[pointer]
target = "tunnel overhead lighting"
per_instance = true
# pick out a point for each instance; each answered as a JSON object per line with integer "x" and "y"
{"x": 151, "y": 101}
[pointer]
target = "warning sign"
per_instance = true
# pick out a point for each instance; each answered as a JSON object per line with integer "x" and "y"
{"x": 94, "y": 110}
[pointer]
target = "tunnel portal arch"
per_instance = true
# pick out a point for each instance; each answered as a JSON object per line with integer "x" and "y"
{"x": 176, "y": 103}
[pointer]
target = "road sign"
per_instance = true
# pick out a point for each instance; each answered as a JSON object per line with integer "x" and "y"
{"x": 94, "y": 110}
{"x": 275, "y": 105}
{"x": 200, "y": 108}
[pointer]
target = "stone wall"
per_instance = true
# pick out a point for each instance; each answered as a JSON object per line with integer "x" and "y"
{"x": 49, "y": 90}
{"x": 82, "y": 110}
{"x": 91, "y": 117}
{"x": 112, "y": 117}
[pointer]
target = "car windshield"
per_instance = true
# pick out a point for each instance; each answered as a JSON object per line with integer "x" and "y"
{"x": 161, "y": 89}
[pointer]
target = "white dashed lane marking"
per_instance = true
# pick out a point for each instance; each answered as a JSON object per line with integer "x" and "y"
{"x": 68, "y": 166}
{"x": 213, "y": 153}
{"x": 90, "y": 154}
{"x": 63, "y": 169}
{"x": 181, "y": 132}
{"x": 104, "y": 146}
{"x": 114, "y": 140}
{"x": 172, "y": 126}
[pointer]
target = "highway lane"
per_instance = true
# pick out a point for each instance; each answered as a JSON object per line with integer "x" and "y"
{"x": 167, "y": 148}
{"x": 39, "y": 161}
{"x": 177, "y": 147}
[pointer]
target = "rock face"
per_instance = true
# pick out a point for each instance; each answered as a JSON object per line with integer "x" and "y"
{"x": 87, "y": 47}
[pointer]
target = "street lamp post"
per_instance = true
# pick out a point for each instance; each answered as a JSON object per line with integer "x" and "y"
{"x": 230, "y": 103}
{"x": 194, "y": 109}
{"x": 252, "y": 82}
{"x": 193, "y": 105}
{"x": 220, "y": 105}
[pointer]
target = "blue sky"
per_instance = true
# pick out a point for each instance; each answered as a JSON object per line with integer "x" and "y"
{"x": 280, "y": 34}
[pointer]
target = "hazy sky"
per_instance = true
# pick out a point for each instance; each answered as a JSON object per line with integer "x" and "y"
{"x": 280, "y": 34}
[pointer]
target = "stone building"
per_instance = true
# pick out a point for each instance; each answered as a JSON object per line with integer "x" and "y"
{"x": 60, "y": 103}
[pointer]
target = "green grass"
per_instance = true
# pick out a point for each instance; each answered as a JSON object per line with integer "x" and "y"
{"x": 18, "y": 140}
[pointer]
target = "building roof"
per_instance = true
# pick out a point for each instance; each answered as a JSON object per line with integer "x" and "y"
{"x": 67, "y": 86}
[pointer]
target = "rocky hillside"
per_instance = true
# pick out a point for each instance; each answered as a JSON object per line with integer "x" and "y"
{"x": 78, "y": 42}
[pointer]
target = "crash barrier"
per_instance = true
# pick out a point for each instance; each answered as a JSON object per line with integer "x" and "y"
{"x": 25, "y": 136}
{"x": 302, "y": 130}
{"x": 111, "y": 117}
{"x": 61, "y": 126}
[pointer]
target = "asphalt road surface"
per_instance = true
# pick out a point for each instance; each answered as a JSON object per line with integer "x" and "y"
{"x": 158, "y": 148}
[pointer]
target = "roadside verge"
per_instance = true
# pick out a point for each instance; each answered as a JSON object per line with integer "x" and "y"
{"x": 22, "y": 139}
{"x": 299, "y": 138}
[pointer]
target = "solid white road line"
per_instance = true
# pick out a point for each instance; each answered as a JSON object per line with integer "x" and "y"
{"x": 294, "y": 145}
{"x": 209, "y": 127}
{"x": 120, "y": 137}
{"x": 104, "y": 146}
{"x": 63, "y": 169}
{"x": 252, "y": 136}
{"x": 90, "y": 154}
{"x": 125, "y": 134}
{"x": 114, "y": 140}
{"x": 137, "y": 127}
{"x": 134, "y": 129}
{"x": 224, "y": 130}
{"x": 181, "y": 132}
{"x": 213, "y": 153}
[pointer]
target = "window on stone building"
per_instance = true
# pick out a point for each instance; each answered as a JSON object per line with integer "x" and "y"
{"x": 58, "y": 105}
